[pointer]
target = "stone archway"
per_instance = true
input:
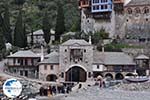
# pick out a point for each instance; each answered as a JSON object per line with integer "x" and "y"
{"x": 119, "y": 76}
{"x": 76, "y": 74}
{"x": 129, "y": 74}
{"x": 51, "y": 77}
{"x": 109, "y": 75}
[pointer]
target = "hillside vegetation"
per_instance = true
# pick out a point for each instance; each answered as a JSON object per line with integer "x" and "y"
{"x": 33, "y": 12}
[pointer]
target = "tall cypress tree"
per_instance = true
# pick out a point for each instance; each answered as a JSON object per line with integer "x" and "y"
{"x": 32, "y": 39}
{"x": 19, "y": 31}
{"x": 60, "y": 24}
{"x": 25, "y": 36}
{"x": 2, "y": 43}
{"x": 46, "y": 27}
{"x": 6, "y": 26}
{"x": 19, "y": 2}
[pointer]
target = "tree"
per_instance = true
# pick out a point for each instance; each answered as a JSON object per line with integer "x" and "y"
{"x": 32, "y": 39}
{"x": 2, "y": 44}
{"x": 19, "y": 2}
{"x": 19, "y": 31}
{"x": 6, "y": 26}
{"x": 25, "y": 36}
{"x": 46, "y": 27}
{"x": 100, "y": 35}
{"x": 60, "y": 24}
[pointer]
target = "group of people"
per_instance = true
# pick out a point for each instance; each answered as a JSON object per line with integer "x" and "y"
{"x": 101, "y": 82}
{"x": 53, "y": 90}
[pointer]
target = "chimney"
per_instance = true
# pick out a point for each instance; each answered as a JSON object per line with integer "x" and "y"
{"x": 90, "y": 40}
{"x": 103, "y": 48}
{"x": 11, "y": 53}
{"x": 42, "y": 53}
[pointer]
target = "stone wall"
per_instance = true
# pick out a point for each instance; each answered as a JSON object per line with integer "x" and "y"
{"x": 65, "y": 63}
{"x": 135, "y": 25}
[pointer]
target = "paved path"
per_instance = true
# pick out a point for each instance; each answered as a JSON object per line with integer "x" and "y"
{"x": 94, "y": 93}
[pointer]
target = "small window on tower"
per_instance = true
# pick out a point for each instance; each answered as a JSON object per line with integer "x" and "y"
{"x": 97, "y": 66}
{"x": 62, "y": 75}
{"x": 129, "y": 10}
{"x": 65, "y": 50}
{"x": 52, "y": 67}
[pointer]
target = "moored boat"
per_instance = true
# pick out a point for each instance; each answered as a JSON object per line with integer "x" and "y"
{"x": 137, "y": 79}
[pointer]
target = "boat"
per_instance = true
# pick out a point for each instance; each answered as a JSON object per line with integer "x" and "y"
{"x": 137, "y": 79}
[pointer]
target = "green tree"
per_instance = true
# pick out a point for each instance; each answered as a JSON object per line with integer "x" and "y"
{"x": 19, "y": 31}
{"x": 99, "y": 35}
{"x": 6, "y": 26}
{"x": 25, "y": 36}
{"x": 60, "y": 24}
{"x": 32, "y": 39}
{"x": 2, "y": 44}
{"x": 46, "y": 27}
{"x": 19, "y": 2}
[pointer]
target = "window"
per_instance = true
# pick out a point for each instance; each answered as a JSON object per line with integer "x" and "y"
{"x": 103, "y": 1}
{"x": 89, "y": 74}
{"x": 14, "y": 61}
{"x": 137, "y": 10}
{"x": 96, "y": 1}
{"x": 26, "y": 62}
{"x": 21, "y": 72}
{"x": 146, "y": 10}
{"x": 45, "y": 67}
{"x": 26, "y": 73}
{"x": 62, "y": 75}
{"x": 129, "y": 11}
{"x": 21, "y": 62}
{"x": 84, "y": 50}
{"x": 97, "y": 66}
{"x": 32, "y": 61}
{"x": 65, "y": 50}
{"x": 15, "y": 71}
{"x": 104, "y": 7}
{"x": 52, "y": 67}
{"x": 18, "y": 61}
{"x": 96, "y": 7}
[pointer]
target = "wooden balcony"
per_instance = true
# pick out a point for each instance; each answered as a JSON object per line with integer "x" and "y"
{"x": 84, "y": 4}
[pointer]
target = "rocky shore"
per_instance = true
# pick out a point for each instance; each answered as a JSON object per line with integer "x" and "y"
{"x": 95, "y": 93}
{"x": 133, "y": 87}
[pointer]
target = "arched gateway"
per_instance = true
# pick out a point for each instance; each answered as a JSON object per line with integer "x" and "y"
{"x": 51, "y": 77}
{"x": 76, "y": 74}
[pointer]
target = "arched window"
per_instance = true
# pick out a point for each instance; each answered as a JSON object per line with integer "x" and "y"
{"x": 146, "y": 10}
{"x": 137, "y": 10}
{"x": 129, "y": 11}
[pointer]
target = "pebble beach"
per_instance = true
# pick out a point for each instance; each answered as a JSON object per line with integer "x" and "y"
{"x": 95, "y": 93}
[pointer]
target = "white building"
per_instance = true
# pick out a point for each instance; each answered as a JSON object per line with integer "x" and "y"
{"x": 38, "y": 37}
{"x": 76, "y": 61}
